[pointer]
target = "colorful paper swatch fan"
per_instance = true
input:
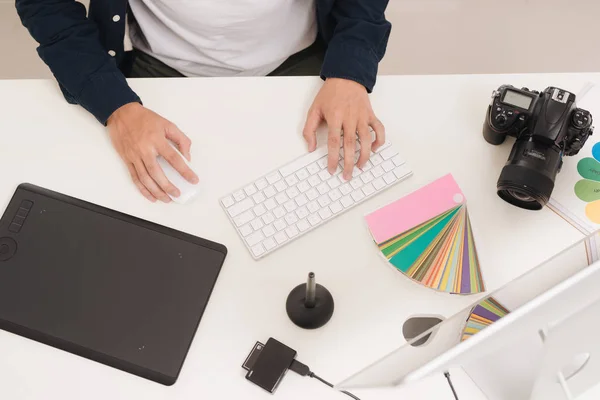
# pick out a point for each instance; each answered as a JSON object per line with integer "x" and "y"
{"x": 427, "y": 236}
{"x": 483, "y": 315}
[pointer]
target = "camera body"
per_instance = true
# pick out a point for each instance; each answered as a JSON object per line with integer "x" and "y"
{"x": 547, "y": 126}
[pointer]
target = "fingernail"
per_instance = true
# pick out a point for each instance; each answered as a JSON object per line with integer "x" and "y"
{"x": 195, "y": 180}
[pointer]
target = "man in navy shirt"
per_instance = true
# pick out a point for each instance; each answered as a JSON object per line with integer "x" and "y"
{"x": 340, "y": 40}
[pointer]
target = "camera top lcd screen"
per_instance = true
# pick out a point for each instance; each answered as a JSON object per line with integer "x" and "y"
{"x": 517, "y": 99}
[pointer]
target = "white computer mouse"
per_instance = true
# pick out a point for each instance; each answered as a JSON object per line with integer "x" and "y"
{"x": 187, "y": 190}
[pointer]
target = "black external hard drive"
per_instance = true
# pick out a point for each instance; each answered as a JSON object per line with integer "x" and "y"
{"x": 271, "y": 365}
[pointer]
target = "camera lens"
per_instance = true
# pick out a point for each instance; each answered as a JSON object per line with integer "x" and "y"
{"x": 520, "y": 196}
{"x": 527, "y": 179}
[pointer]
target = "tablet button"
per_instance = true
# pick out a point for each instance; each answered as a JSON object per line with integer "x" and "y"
{"x": 22, "y": 212}
{"x": 14, "y": 227}
{"x": 8, "y": 248}
{"x": 26, "y": 204}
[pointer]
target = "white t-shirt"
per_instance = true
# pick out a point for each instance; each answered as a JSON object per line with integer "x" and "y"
{"x": 223, "y": 37}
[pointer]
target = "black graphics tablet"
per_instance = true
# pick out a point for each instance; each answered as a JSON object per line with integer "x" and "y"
{"x": 101, "y": 284}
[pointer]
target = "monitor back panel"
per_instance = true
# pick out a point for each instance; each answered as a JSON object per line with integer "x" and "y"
{"x": 101, "y": 284}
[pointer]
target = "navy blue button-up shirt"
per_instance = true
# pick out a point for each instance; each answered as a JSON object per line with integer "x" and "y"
{"x": 76, "y": 47}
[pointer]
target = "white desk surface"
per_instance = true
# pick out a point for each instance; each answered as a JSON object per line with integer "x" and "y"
{"x": 243, "y": 128}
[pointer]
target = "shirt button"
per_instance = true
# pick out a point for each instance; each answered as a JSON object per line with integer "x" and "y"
{"x": 112, "y": 53}
{"x": 116, "y": 18}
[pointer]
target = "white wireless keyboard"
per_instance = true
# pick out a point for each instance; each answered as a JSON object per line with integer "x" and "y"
{"x": 300, "y": 196}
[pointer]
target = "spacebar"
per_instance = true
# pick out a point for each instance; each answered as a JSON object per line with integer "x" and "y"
{"x": 303, "y": 161}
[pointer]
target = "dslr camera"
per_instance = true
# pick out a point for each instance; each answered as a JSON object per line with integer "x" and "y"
{"x": 547, "y": 126}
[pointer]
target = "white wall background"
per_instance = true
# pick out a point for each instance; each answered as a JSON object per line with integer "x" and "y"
{"x": 430, "y": 37}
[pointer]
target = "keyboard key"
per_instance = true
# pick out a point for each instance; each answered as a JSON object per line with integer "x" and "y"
{"x": 239, "y": 195}
{"x": 384, "y": 146}
{"x": 280, "y": 186}
{"x": 313, "y": 168}
{"x": 334, "y": 182}
{"x": 257, "y": 224}
{"x": 322, "y": 162}
{"x": 323, "y": 188}
{"x": 246, "y": 230}
{"x": 335, "y": 194}
{"x": 345, "y": 188}
{"x": 227, "y": 201}
{"x": 269, "y": 192}
{"x": 291, "y": 219}
{"x": 377, "y": 171}
{"x": 325, "y": 213}
{"x": 291, "y": 231}
{"x": 346, "y": 201}
{"x": 376, "y": 159}
{"x": 292, "y": 192}
{"x": 401, "y": 172}
{"x": 356, "y": 183}
{"x": 302, "y": 174}
{"x": 301, "y": 200}
{"x": 268, "y": 230}
{"x": 368, "y": 189}
{"x": 314, "y": 219}
{"x": 303, "y": 186}
{"x": 324, "y": 201}
{"x": 303, "y": 225}
{"x": 389, "y": 178}
{"x": 274, "y": 177}
{"x": 269, "y": 244}
{"x": 366, "y": 177}
{"x": 368, "y": 166}
{"x": 358, "y": 195}
{"x": 279, "y": 212}
{"x": 281, "y": 237}
{"x": 259, "y": 210}
{"x": 290, "y": 206}
{"x": 281, "y": 198}
{"x": 268, "y": 218}
{"x": 324, "y": 174}
{"x": 280, "y": 225}
{"x": 240, "y": 207}
{"x": 336, "y": 207}
{"x": 259, "y": 198}
{"x": 312, "y": 207}
{"x": 302, "y": 212}
{"x": 388, "y": 153}
{"x": 314, "y": 180}
{"x": 258, "y": 250}
{"x": 356, "y": 172}
{"x": 261, "y": 184}
{"x": 388, "y": 165}
{"x": 291, "y": 180}
{"x": 270, "y": 204}
{"x": 302, "y": 162}
{"x": 378, "y": 183}
{"x": 397, "y": 160}
{"x": 250, "y": 189}
{"x": 255, "y": 238}
{"x": 312, "y": 194}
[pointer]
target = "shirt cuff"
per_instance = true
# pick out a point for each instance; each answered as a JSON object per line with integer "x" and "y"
{"x": 351, "y": 62}
{"x": 103, "y": 94}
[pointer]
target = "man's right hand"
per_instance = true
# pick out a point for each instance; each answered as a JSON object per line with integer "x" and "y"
{"x": 140, "y": 136}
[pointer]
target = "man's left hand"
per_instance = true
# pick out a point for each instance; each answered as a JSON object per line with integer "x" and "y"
{"x": 345, "y": 106}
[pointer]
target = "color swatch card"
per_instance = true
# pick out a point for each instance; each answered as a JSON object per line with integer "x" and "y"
{"x": 576, "y": 194}
{"x": 483, "y": 315}
{"x": 427, "y": 236}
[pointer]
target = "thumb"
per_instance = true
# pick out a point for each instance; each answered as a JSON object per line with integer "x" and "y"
{"x": 184, "y": 144}
{"x": 313, "y": 119}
